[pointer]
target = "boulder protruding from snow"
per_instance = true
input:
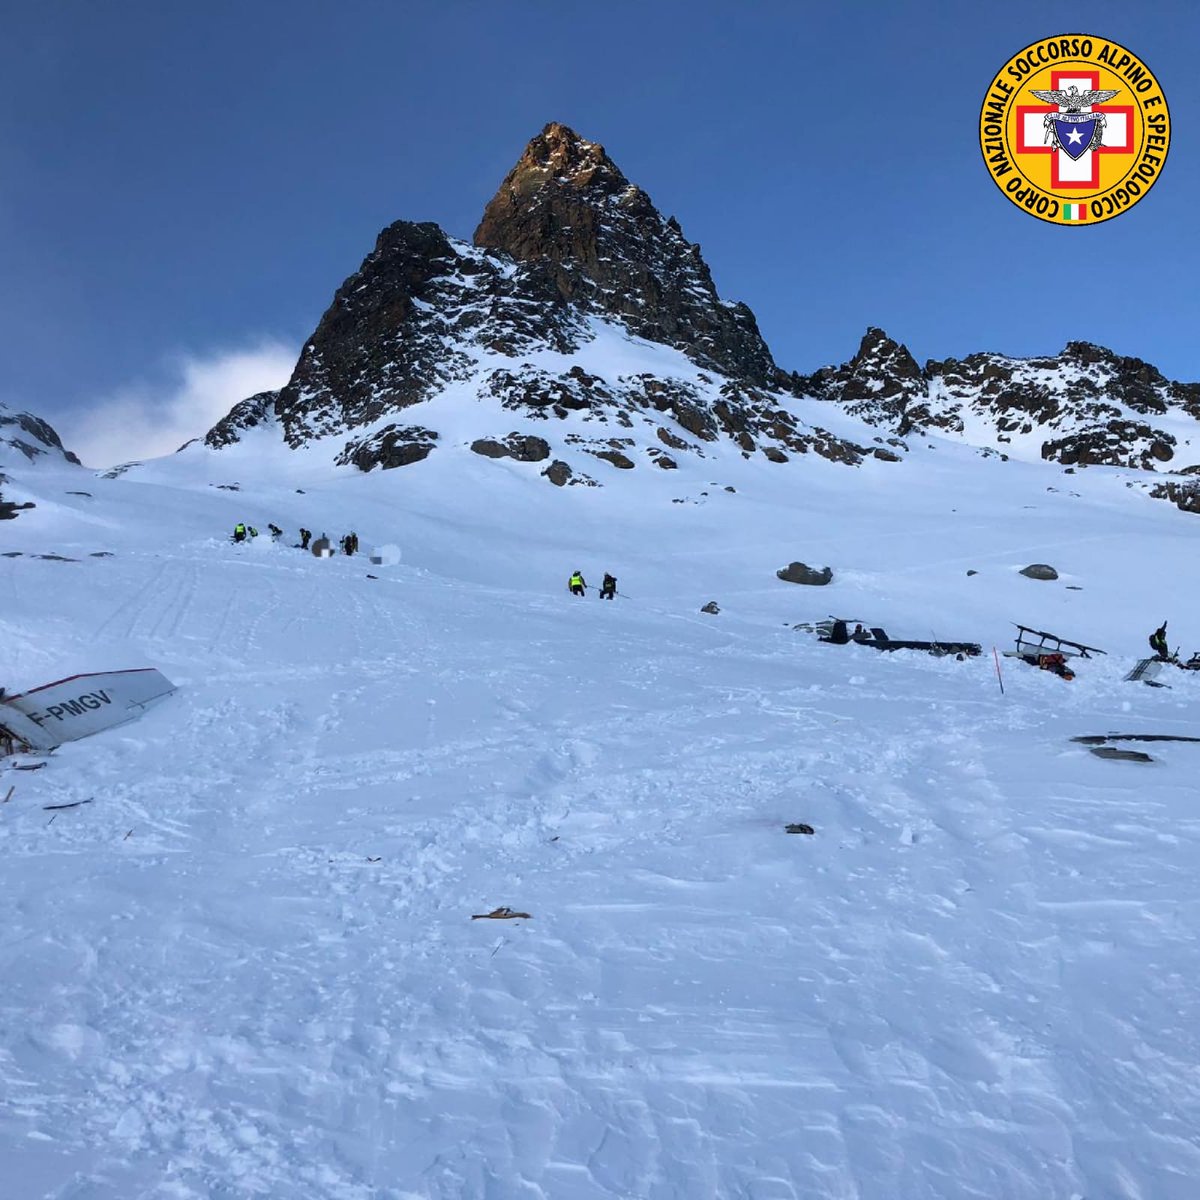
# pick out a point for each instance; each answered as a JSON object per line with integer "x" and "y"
{"x": 558, "y": 472}
{"x": 798, "y": 572}
{"x": 1039, "y": 571}
{"x": 522, "y": 447}
{"x": 712, "y": 607}
{"x": 392, "y": 446}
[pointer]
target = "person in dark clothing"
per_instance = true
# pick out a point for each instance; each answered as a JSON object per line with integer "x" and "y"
{"x": 609, "y": 589}
{"x": 1158, "y": 642}
{"x": 839, "y": 635}
{"x": 276, "y": 532}
{"x": 305, "y": 538}
{"x": 577, "y": 584}
{"x": 239, "y": 532}
{"x": 350, "y": 543}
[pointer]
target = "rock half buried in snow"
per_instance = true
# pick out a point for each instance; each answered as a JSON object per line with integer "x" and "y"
{"x": 799, "y": 827}
{"x": 1039, "y": 571}
{"x": 799, "y": 572}
{"x": 711, "y": 607}
{"x": 1120, "y": 755}
{"x": 557, "y": 472}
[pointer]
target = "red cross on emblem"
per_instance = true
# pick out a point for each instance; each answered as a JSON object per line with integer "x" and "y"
{"x": 1067, "y": 172}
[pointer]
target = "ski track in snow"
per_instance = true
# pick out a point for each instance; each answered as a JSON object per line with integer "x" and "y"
{"x": 248, "y": 968}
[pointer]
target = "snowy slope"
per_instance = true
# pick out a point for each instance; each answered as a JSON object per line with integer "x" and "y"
{"x": 248, "y": 967}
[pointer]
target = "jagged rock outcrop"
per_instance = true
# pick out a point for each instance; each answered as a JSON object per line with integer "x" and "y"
{"x": 1086, "y": 406}
{"x": 392, "y": 446}
{"x": 30, "y": 437}
{"x": 569, "y": 254}
{"x": 879, "y": 384}
{"x": 26, "y": 439}
{"x": 247, "y": 414}
{"x": 565, "y": 204}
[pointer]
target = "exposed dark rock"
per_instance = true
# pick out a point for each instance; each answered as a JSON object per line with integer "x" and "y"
{"x": 799, "y": 572}
{"x": 972, "y": 572}
{"x": 558, "y": 472}
{"x": 522, "y": 447}
{"x": 566, "y": 205}
{"x": 616, "y": 458}
{"x": 392, "y": 446}
{"x": 878, "y": 384}
{"x": 30, "y": 436}
{"x": 248, "y": 414}
{"x": 711, "y": 607}
{"x": 1185, "y": 495}
{"x": 1039, "y": 571}
{"x": 799, "y": 827}
{"x": 9, "y": 511}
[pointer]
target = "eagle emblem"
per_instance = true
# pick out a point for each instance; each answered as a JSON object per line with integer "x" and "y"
{"x": 1071, "y": 130}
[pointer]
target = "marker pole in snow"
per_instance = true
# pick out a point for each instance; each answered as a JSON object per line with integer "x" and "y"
{"x": 999, "y": 675}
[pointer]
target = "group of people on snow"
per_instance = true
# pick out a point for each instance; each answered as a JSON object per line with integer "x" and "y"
{"x": 578, "y": 586}
{"x": 243, "y": 532}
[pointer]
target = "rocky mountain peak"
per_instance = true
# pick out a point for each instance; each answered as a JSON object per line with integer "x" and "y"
{"x": 878, "y": 384}
{"x": 567, "y": 205}
{"x": 30, "y": 437}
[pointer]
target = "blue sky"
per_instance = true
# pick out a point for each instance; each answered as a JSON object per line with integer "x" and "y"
{"x": 184, "y": 186}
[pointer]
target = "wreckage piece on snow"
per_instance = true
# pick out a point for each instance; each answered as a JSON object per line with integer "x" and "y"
{"x": 880, "y": 641}
{"x": 837, "y": 631}
{"x": 1098, "y": 739}
{"x": 1146, "y": 672}
{"x": 501, "y": 914}
{"x": 1048, "y": 651}
{"x": 80, "y": 705}
{"x": 1033, "y": 643}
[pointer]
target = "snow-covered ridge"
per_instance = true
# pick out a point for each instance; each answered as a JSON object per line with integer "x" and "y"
{"x": 1086, "y": 406}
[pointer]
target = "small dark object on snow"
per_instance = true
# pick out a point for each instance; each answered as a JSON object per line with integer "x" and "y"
{"x": 972, "y": 572}
{"x": 375, "y": 860}
{"x": 28, "y": 766}
{"x": 101, "y": 554}
{"x": 799, "y": 828}
{"x": 500, "y": 914}
{"x": 712, "y": 607}
{"x": 9, "y": 796}
{"x": 372, "y": 576}
{"x": 87, "y": 494}
{"x": 798, "y": 572}
{"x": 1039, "y": 571}
{"x": 73, "y": 804}
{"x": 1098, "y": 739}
{"x": 55, "y": 558}
{"x": 1120, "y": 755}
{"x": 1074, "y": 587}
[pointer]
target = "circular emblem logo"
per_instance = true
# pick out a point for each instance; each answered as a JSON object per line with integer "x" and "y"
{"x": 1075, "y": 129}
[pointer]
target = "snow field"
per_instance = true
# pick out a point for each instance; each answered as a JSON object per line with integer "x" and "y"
{"x": 248, "y": 967}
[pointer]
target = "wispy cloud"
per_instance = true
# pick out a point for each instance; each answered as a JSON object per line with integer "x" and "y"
{"x": 144, "y": 420}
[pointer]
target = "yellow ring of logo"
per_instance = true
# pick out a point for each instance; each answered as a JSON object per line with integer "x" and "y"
{"x": 1075, "y": 129}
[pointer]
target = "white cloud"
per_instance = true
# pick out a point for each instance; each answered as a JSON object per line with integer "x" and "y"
{"x": 145, "y": 421}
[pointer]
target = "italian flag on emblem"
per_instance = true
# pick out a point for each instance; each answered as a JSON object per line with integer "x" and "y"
{"x": 1075, "y": 212}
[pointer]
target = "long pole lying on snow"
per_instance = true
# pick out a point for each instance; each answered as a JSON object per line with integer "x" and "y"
{"x": 999, "y": 676}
